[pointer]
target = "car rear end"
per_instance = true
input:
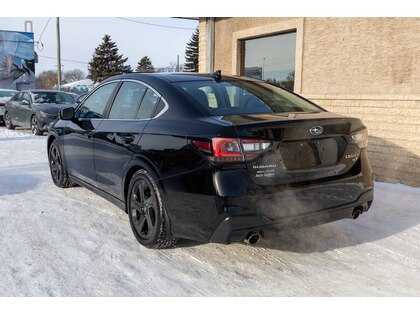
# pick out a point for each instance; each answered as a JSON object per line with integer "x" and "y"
{"x": 294, "y": 164}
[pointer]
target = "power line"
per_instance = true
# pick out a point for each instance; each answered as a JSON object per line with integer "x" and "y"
{"x": 39, "y": 44}
{"x": 42, "y": 33}
{"x": 158, "y": 25}
{"x": 68, "y": 60}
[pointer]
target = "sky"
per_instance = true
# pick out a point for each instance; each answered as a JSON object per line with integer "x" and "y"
{"x": 81, "y": 33}
{"x": 80, "y": 36}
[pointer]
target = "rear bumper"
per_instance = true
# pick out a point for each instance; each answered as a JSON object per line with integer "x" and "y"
{"x": 234, "y": 228}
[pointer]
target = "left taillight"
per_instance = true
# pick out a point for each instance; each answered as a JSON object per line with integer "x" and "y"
{"x": 225, "y": 150}
{"x": 360, "y": 137}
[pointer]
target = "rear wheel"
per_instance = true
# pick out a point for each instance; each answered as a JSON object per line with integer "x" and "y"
{"x": 57, "y": 167}
{"x": 145, "y": 211}
{"x": 35, "y": 126}
{"x": 8, "y": 121}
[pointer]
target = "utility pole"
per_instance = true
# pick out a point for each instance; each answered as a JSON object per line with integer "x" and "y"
{"x": 58, "y": 54}
{"x": 177, "y": 63}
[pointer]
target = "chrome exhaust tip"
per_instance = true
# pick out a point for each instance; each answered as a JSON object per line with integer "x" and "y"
{"x": 356, "y": 214}
{"x": 252, "y": 238}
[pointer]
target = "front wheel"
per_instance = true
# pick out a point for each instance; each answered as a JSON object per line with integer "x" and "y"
{"x": 57, "y": 167}
{"x": 145, "y": 211}
{"x": 35, "y": 126}
{"x": 8, "y": 121}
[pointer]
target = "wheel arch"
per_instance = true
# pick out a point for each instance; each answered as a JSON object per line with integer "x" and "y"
{"x": 136, "y": 164}
{"x": 51, "y": 138}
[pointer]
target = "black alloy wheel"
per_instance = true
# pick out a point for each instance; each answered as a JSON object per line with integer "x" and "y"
{"x": 8, "y": 121}
{"x": 35, "y": 126}
{"x": 145, "y": 212}
{"x": 57, "y": 167}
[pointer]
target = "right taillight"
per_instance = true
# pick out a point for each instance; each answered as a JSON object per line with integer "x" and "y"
{"x": 232, "y": 149}
{"x": 360, "y": 137}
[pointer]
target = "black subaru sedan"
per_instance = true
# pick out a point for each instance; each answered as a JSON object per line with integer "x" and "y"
{"x": 211, "y": 158}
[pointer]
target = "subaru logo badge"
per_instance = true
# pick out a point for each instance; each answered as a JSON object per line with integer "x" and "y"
{"x": 316, "y": 130}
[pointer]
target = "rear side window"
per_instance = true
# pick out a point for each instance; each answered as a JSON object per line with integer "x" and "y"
{"x": 232, "y": 97}
{"x": 95, "y": 104}
{"x": 127, "y": 101}
{"x": 148, "y": 104}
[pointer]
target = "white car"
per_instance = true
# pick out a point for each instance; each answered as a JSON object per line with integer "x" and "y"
{"x": 5, "y": 96}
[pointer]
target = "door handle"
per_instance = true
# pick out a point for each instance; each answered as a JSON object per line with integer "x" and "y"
{"x": 128, "y": 138}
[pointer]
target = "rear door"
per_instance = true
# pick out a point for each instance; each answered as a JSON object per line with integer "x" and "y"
{"x": 115, "y": 140}
{"x": 24, "y": 112}
{"x": 14, "y": 106}
{"x": 78, "y": 137}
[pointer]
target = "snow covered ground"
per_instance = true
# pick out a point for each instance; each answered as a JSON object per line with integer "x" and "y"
{"x": 70, "y": 242}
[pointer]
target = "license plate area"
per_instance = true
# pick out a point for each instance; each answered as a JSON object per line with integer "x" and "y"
{"x": 304, "y": 154}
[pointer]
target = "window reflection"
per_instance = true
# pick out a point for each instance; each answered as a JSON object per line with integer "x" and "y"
{"x": 271, "y": 58}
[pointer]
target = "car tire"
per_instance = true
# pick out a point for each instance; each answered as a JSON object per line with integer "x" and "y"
{"x": 8, "y": 121}
{"x": 58, "y": 167}
{"x": 35, "y": 126}
{"x": 146, "y": 212}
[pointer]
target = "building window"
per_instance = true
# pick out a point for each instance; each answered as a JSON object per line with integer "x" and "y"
{"x": 270, "y": 58}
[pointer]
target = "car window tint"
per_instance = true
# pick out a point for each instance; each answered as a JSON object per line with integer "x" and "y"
{"x": 148, "y": 104}
{"x": 95, "y": 104}
{"x": 238, "y": 97}
{"x": 127, "y": 101}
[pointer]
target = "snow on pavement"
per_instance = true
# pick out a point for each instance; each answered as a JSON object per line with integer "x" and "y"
{"x": 71, "y": 242}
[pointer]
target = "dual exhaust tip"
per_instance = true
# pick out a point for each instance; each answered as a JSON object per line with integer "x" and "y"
{"x": 253, "y": 237}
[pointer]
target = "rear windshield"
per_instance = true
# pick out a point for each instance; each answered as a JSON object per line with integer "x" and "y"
{"x": 236, "y": 97}
{"x": 52, "y": 98}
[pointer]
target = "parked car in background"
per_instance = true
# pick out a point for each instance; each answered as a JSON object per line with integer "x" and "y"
{"x": 5, "y": 96}
{"x": 35, "y": 109}
{"x": 211, "y": 158}
{"x": 73, "y": 95}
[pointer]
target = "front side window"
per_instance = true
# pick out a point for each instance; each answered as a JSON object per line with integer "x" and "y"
{"x": 271, "y": 59}
{"x": 95, "y": 104}
{"x": 237, "y": 97}
{"x": 17, "y": 97}
{"x": 127, "y": 101}
{"x": 25, "y": 97}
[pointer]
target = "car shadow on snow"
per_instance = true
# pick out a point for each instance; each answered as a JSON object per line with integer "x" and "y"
{"x": 17, "y": 184}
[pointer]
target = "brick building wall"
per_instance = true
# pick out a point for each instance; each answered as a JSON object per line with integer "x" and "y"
{"x": 363, "y": 67}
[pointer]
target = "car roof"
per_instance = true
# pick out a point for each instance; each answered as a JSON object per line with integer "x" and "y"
{"x": 41, "y": 90}
{"x": 172, "y": 76}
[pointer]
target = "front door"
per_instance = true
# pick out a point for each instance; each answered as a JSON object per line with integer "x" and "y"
{"x": 78, "y": 140}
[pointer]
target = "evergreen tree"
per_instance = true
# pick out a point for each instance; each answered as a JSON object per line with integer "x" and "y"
{"x": 106, "y": 61}
{"x": 145, "y": 65}
{"x": 191, "y": 53}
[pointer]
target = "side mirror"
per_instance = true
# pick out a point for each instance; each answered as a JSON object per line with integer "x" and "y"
{"x": 24, "y": 102}
{"x": 66, "y": 113}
